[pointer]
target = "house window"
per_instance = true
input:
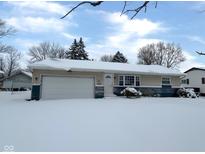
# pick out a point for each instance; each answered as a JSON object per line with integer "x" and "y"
{"x": 184, "y": 81}
{"x": 203, "y": 80}
{"x": 137, "y": 81}
{"x": 121, "y": 81}
{"x": 166, "y": 81}
{"x": 129, "y": 80}
{"x": 187, "y": 81}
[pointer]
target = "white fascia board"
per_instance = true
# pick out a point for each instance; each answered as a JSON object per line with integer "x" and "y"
{"x": 49, "y": 68}
{"x": 125, "y": 72}
{"x": 104, "y": 71}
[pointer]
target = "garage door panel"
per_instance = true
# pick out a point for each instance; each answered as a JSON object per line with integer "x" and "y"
{"x": 67, "y": 87}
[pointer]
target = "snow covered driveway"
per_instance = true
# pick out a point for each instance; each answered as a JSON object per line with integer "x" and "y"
{"x": 111, "y": 124}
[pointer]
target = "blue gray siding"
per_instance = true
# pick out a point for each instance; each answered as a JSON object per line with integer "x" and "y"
{"x": 35, "y": 93}
{"x": 150, "y": 91}
{"x": 99, "y": 92}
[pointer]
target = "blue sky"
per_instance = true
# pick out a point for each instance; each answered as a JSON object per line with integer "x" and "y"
{"x": 104, "y": 30}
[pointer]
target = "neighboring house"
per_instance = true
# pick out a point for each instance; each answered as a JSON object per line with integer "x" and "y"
{"x": 195, "y": 78}
{"x": 61, "y": 79}
{"x": 18, "y": 81}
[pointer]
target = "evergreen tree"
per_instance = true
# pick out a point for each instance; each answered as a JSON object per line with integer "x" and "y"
{"x": 82, "y": 54}
{"x": 119, "y": 57}
{"x": 77, "y": 51}
{"x": 72, "y": 52}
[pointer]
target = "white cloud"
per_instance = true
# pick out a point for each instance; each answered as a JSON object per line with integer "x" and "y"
{"x": 125, "y": 35}
{"x": 26, "y": 43}
{"x": 189, "y": 56}
{"x": 39, "y": 16}
{"x": 189, "y": 64}
{"x": 191, "y": 61}
{"x": 198, "y": 6}
{"x": 140, "y": 27}
{"x": 71, "y": 36}
{"x": 196, "y": 39}
{"x": 126, "y": 30}
{"x": 36, "y": 24}
{"x": 43, "y": 6}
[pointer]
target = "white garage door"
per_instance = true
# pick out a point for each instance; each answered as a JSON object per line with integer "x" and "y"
{"x": 67, "y": 87}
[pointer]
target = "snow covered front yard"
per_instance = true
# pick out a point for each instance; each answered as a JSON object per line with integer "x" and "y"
{"x": 110, "y": 124}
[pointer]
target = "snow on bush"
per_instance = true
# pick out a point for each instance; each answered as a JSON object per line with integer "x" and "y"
{"x": 189, "y": 92}
{"x": 129, "y": 92}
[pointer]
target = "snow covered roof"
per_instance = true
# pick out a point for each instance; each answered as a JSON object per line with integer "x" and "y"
{"x": 108, "y": 67}
{"x": 27, "y": 73}
{"x": 18, "y": 72}
{"x": 195, "y": 68}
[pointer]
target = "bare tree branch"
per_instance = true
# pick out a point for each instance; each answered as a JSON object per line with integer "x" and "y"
{"x": 124, "y": 11}
{"x": 200, "y": 53}
{"x": 82, "y": 3}
{"x": 165, "y": 54}
{"x": 156, "y": 4}
{"x": 106, "y": 58}
{"x": 46, "y": 50}
{"x": 4, "y": 31}
{"x": 138, "y": 9}
{"x": 125, "y": 4}
{"x": 9, "y": 61}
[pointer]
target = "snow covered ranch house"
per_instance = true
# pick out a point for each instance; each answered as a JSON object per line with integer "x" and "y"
{"x": 20, "y": 80}
{"x": 63, "y": 78}
{"x": 195, "y": 78}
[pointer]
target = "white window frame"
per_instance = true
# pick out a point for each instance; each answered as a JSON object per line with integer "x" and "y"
{"x": 136, "y": 76}
{"x": 130, "y": 80}
{"x": 167, "y": 78}
{"x": 123, "y": 79}
{"x": 134, "y": 85}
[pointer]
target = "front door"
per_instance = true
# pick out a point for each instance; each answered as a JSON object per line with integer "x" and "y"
{"x": 108, "y": 85}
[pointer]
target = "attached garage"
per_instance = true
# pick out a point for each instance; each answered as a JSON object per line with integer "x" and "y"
{"x": 55, "y": 87}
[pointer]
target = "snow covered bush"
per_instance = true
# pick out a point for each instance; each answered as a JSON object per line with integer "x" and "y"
{"x": 131, "y": 92}
{"x": 189, "y": 92}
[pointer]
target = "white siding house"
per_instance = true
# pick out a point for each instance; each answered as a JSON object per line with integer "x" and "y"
{"x": 17, "y": 81}
{"x": 195, "y": 78}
